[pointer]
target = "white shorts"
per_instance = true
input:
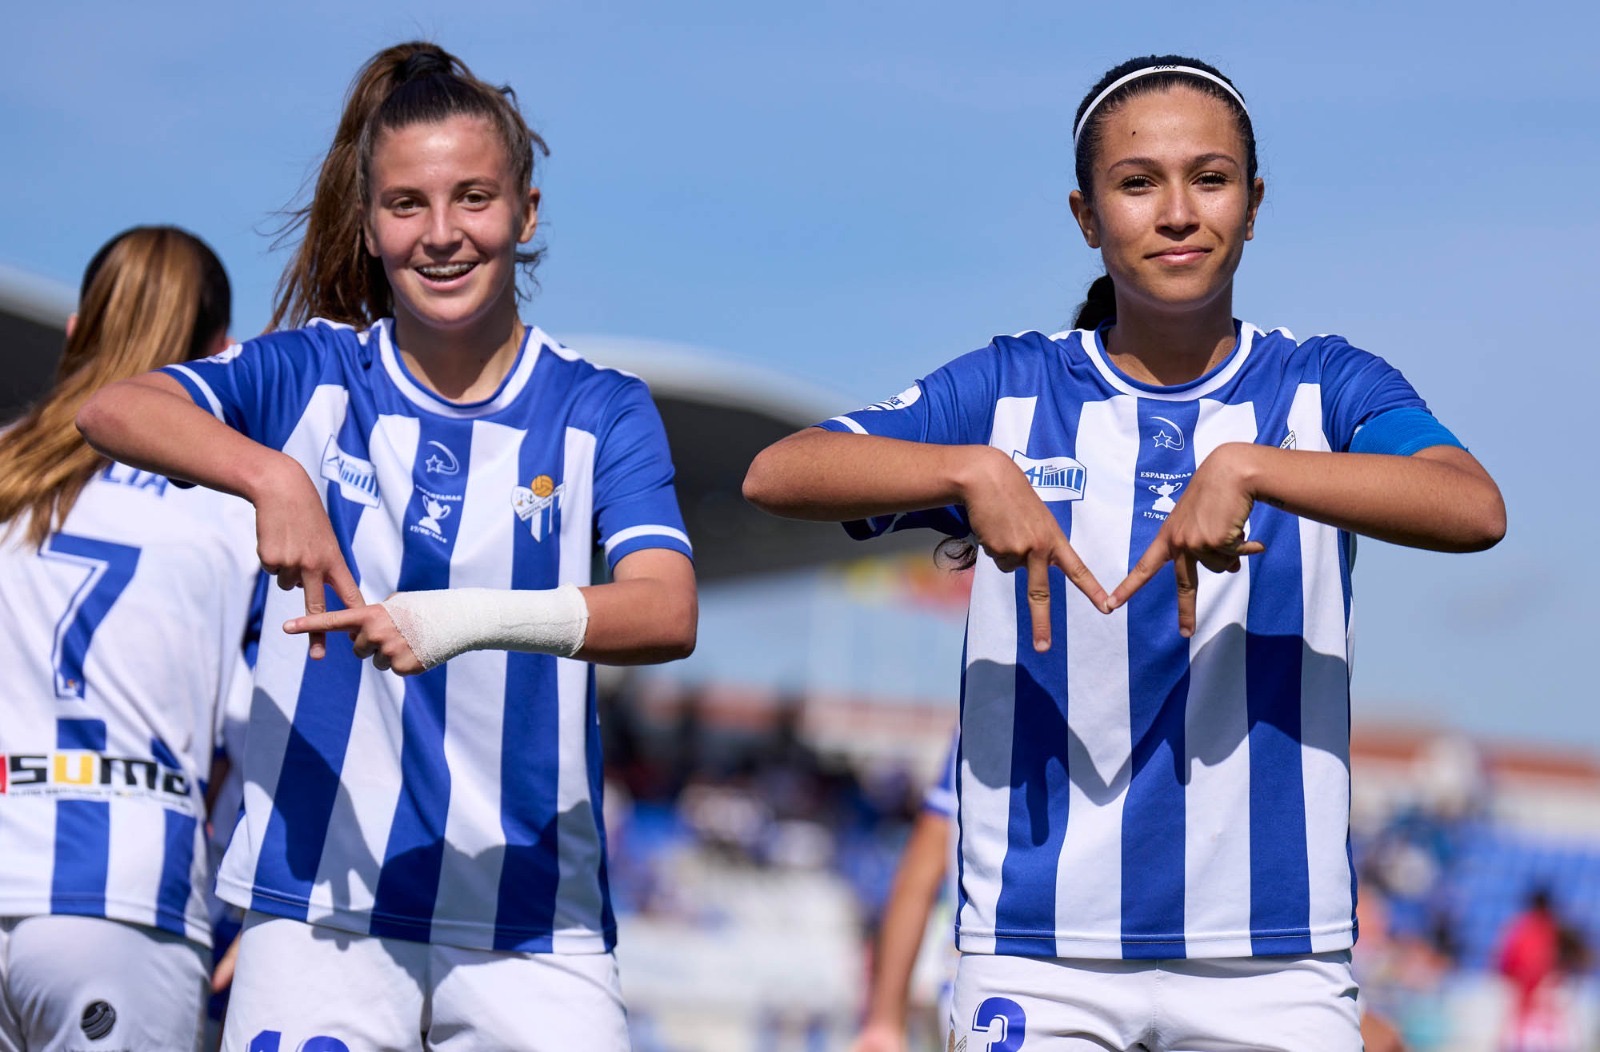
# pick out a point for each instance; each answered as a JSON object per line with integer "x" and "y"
{"x": 304, "y": 988}
{"x": 81, "y": 983}
{"x": 1287, "y": 1004}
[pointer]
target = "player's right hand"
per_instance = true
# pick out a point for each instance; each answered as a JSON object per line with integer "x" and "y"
{"x": 295, "y": 542}
{"x": 1015, "y": 529}
{"x": 877, "y": 1037}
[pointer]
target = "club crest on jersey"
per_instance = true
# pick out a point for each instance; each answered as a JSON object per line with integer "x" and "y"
{"x": 1054, "y": 478}
{"x": 1170, "y": 436}
{"x": 904, "y": 400}
{"x": 537, "y": 503}
{"x": 357, "y": 478}
{"x": 442, "y": 461}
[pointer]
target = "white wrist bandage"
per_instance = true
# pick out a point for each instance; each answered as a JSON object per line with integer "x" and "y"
{"x": 439, "y": 625}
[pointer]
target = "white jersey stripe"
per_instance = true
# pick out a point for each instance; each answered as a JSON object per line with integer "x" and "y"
{"x": 469, "y": 880}
{"x": 1217, "y": 735}
{"x": 1100, "y": 746}
{"x": 205, "y": 389}
{"x": 1324, "y": 710}
{"x": 631, "y": 532}
{"x": 989, "y": 699}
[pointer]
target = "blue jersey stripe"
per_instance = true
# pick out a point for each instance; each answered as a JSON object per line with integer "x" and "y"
{"x": 1280, "y": 892}
{"x": 608, "y": 915}
{"x": 177, "y": 862}
{"x": 83, "y": 833}
{"x": 308, "y": 781}
{"x": 1158, "y": 687}
{"x": 408, "y": 883}
{"x": 529, "y": 752}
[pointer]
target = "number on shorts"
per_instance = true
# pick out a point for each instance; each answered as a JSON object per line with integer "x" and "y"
{"x": 269, "y": 1040}
{"x": 1004, "y": 1021}
{"x": 110, "y": 568}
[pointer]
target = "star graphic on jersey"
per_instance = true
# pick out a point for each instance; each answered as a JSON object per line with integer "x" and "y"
{"x": 436, "y": 465}
{"x": 1162, "y": 440}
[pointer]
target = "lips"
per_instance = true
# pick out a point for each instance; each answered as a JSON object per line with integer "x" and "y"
{"x": 441, "y": 273}
{"x": 1177, "y": 256}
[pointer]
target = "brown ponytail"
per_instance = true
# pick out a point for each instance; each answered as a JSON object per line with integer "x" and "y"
{"x": 331, "y": 275}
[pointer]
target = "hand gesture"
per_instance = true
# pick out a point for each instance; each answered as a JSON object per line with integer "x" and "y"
{"x": 1206, "y": 528}
{"x": 1016, "y": 530}
{"x": 372, "y": 632}
{"x": 295, "y": 541}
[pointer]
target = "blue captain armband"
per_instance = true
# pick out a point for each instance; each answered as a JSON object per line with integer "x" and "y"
{"x": 1402, "y": 432}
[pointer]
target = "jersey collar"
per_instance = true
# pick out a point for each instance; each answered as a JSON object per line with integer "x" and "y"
{"x": 534, "y": 341}
{"x": 1196, "y": 388}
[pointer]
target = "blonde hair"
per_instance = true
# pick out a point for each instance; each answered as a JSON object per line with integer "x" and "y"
{"x": 152, "y": 296}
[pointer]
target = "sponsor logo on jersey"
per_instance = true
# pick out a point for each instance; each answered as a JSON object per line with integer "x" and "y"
{"x": 903, "y": 400}
{"x": 1288, "y": 442}
{"x": 97, "y": 1020}
{"x": 82, "y": 773}
{"x": 537, "y": 503}
{"x": 442, "y": 461}
{"x": 357, "y": 478}
{"x": 1054, "y": 478}
{"x": 1169, "y": 436}
{"x": 227, "y": 354}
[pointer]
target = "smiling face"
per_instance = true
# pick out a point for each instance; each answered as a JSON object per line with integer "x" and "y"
{"x": 1172, "y": 204}
{"x": 445, "y": 219}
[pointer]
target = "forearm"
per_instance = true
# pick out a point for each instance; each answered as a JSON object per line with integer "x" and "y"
{"x": 149, "y": 423}
{"x": 1440, "y": 499}
{"x": 916, "y": 887}
{"x": 643, "y": 621}
{"x": 828, "y": 476}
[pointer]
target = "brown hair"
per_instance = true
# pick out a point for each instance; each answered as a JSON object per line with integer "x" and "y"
{"x": 150, "y": 297}
{"x": 331, "y": 275}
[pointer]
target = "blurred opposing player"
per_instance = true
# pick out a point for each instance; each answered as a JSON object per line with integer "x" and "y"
{"x": 919, "y": 886}
{"x": 1154, "y": 781}
{"x": 423, "y": 858}
{"x": 123, "y": 604}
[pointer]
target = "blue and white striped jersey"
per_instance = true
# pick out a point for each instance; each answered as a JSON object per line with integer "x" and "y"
{"x": 461, "y": 806}
{"x": 120, "y": 641}
{"x": 1131, "y": 793}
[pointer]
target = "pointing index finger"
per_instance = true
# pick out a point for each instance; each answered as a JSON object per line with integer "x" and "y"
{"x": 1154, "y": 558}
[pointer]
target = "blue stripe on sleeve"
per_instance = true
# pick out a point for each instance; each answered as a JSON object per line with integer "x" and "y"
{"x": 1402, "y": 432}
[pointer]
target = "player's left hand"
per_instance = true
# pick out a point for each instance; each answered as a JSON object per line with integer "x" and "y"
{"x": 1206, "y": 528}
{"x": 372, "y": 635}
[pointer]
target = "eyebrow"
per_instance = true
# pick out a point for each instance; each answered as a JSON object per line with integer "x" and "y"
{"x": 1205, "y": 158}
{"x": 465, "y": 184}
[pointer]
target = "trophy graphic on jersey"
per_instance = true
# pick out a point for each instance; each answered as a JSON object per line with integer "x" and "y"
{"x": 536, "y": 504}
{"x": 1164, "y": 502}
{"x": 436, "y": 511}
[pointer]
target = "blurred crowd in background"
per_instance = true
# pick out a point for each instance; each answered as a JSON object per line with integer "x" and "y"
{"x": 751, "y": 866}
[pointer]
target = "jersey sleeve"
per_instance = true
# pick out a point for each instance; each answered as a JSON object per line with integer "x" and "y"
{"x": 259, "y": 387}
{"x": 1357, "y": 388}
{"x": 636, "y": 506}
{"x": 954, "y": 405}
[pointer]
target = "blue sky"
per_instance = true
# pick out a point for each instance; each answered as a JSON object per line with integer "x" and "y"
{"x": 854, "y": 193}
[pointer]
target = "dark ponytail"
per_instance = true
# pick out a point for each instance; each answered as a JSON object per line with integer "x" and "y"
{"x": 1099, "y": 304}
{"x": 331, "y": 275}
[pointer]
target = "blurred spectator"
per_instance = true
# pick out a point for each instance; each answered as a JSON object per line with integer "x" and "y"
{"x": 1539, "y": 957}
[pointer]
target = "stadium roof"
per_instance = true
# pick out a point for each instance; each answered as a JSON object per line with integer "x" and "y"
{"x": 719, "y": 413}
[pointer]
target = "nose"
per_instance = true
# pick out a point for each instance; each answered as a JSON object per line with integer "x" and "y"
{"x": 441, "y": 231}
{"x": 1178, "y": 216}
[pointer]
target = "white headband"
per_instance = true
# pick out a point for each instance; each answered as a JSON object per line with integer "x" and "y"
{"x": 1148, "y": 71}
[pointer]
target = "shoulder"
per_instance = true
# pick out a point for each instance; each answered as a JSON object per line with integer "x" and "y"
{"x": 593, "y": 384}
